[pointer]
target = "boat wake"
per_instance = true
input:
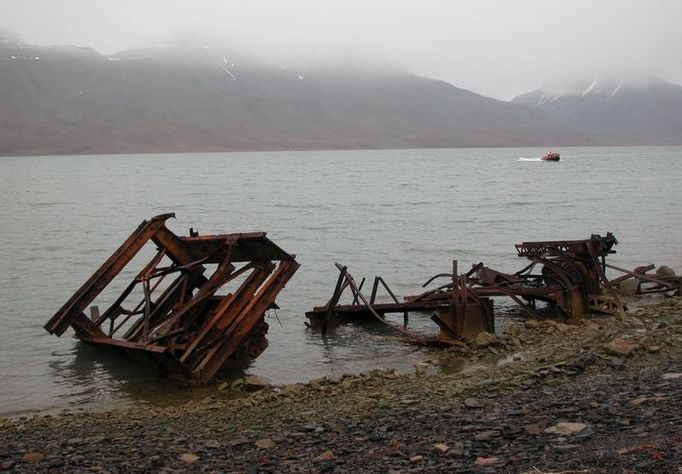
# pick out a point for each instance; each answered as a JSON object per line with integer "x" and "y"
{"x": 521, "y": 158}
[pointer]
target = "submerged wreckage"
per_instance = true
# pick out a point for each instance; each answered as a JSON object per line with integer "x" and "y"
{"x": 190, "y": 323}
{"x": 212, "y": 305}
{"x": 569, "y": 275}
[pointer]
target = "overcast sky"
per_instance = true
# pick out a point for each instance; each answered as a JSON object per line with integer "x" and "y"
{"x": 498, "y": 48}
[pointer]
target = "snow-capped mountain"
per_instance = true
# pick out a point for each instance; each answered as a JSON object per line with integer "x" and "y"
{"x": 615, "y": 110}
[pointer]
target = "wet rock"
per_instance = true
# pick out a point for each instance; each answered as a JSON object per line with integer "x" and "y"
{"x": 265, "y": 443}
{"x": 335, "y": 378}
{"x": 672, "y": 376}
{"x": 628, "y": 287}
{"x": 33, "y": 457}
{"x": 561, "y": 327}
{"x": 188, "y": 458}
{"x": 665, "y": 271}
{"x": 325, "y": 456}
{"x": 7, "y": 465}
{"x": 291, "y": 389}
{"x": 416, "y": 458}
{"x": 253, "y": 383}
{"x": 212, "y": 444}
{"x": 620, "y": 347}
{"x": 485, "y": 339}
{"x": 566, "y": 429}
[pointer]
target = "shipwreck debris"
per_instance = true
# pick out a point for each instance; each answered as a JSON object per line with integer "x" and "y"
{"x": 569, "y": 275}
{"x": 184, "y": 324}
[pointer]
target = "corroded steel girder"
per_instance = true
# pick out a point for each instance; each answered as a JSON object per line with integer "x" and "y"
{"x": 188, "y": 325}
{"x": 571, "y": 278}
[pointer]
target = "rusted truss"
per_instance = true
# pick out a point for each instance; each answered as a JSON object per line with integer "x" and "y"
{"x": 569, "y": 275}
{"x": 172, "y": 312}
{"x": 455, "y": 309}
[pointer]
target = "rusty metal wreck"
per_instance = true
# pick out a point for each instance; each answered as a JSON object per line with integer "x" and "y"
{"x": 572, "y": 280}
{"x": 182, "y": 324}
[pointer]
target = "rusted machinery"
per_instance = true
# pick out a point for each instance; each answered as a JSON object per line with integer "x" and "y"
{"x": 210, "y": 308}
{"x": 572, "y": 279}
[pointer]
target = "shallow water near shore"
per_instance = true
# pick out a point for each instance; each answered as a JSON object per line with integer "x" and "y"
{"x": 402, "y": 214}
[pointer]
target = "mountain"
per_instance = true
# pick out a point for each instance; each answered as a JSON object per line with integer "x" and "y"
{"x": 66, "y": 100}
{"x": 627, "y": 111}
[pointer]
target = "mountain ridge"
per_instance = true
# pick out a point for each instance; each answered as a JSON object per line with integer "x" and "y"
{"x": 74, "y": 100}
{"x": 635, "y": 110}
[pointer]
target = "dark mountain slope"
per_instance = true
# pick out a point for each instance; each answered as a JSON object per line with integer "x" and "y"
{"x": 637, "y": 111}
{"x": 74, "y": 100}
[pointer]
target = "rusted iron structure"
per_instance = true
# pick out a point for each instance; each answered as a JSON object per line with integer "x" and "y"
{"x": 571, "y": 278}
{"x": 183, "y": 324}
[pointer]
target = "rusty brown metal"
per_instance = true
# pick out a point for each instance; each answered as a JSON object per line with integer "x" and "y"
{"x": 571, "y": 278}
{"x": 212, "y": 309}
{"x": 453, "y": 310}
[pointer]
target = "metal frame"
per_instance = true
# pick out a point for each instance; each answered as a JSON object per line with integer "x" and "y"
{"x": 185, "y": 328}
{"x": 572, "y": 279}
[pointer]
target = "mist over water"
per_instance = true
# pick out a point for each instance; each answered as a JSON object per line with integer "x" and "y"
{"x": 402, "y": 214}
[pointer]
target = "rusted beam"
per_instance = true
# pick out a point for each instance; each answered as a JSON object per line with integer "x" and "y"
{"x": 184, "y": 328}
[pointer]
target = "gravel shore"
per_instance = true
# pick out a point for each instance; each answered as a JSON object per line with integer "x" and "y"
{"x": 598, "y": 395}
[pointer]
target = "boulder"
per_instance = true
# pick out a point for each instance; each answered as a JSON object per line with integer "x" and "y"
{"x": 665, "y": 271}
{"x": 628, "y": 287}
{"x": 620, "y": 347}
{"x": 485, "y": 339}
{"x": 254, "y": 382}
{"x": 532, "y": 324}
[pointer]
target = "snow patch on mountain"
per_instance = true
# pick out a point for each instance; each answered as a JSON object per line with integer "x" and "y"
{"x": 605, "y": 87}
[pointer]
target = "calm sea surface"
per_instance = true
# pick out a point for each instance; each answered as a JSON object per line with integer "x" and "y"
{"x": 400, "y": 214}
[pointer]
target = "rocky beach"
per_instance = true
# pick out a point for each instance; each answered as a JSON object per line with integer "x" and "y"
{"x": 597, "y": 395}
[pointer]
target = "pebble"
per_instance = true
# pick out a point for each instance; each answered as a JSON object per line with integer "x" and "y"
{"x": 440, "y": 448}
{"x": 472, "y": 403}
{"x": 619, "y": 347}
{"x": 565, "y": 428}
{"x": 188, "y": 458}
{"x": 265, "y": 443}
{"x": 487, "y": 461}
{"x": 325, "y": 456}
{"x": 33, "y": 457}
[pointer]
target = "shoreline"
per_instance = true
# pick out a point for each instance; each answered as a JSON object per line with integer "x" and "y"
{"x": 598, "y": 395}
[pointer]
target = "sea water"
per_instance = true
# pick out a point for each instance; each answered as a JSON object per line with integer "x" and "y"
{"x": 401, "y": 214}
